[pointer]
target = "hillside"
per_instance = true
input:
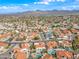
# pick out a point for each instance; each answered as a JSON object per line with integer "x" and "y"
{"x": 44, "y": 13}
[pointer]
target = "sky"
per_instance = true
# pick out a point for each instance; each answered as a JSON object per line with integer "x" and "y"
{"x": 14, "y": 6}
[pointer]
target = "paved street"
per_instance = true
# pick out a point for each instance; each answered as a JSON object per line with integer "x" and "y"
{"x": 5, "y": 55}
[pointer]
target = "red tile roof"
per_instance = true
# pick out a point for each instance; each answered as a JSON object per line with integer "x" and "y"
{"x": 25, "y": 45}
{"x": 52, "y": 44}
{"x": 19, "y": 54}
{"x": 65, "y": 54}
{"x": 3, "y": 44}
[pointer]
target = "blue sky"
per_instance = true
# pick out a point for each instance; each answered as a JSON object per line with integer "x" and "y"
{"x": 13, "y": 6}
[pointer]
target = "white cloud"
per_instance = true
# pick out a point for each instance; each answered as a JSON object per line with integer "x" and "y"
{"x": 10, "y": 7}
{"x": 60, "y": 0}
{"x": 46, "y": 2}
{"x": 77, "y": 0}
{"x": 72, "y": 7}
{"x": 25, "y": 4}
{"x": 66, "y": 8}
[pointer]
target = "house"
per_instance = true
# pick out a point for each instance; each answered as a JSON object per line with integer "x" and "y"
{"x": 3, "y": 44}
{"x": 52, "y": 44}
{"x": 5, "y": 35}
{"x": 25, "y": 47}
{"x": 18, "y": 54}
{"x": 66, "y": 43}
{"x": 47, "y": 56}
{"x": 39, "y": 46}
{"x": 77, "y": 56}
{"x": 2, "y": 47}
{"x": 64, "y": 54}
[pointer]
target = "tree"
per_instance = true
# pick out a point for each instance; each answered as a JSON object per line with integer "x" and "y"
{"x": 75, "y": 44}
{"x": 36, "y": 38}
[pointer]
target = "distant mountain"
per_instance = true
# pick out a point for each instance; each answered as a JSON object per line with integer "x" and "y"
{"x": 48, "y": 12}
